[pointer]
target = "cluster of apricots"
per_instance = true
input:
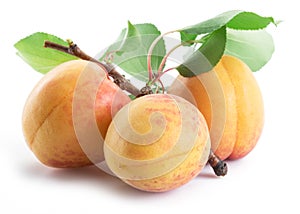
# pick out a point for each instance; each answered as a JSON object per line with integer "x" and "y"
{"x": 77, "y": 116}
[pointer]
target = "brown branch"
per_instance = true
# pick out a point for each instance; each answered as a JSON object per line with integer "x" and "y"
{"x": 220, "y": 167}
{"x": 74, "y": 50}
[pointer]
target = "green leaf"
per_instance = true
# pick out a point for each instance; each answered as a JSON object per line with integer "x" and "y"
{"x": 252, "y": 45}
{"x": 207, "y": 56}
{"x": 130, "y": 50}
{"x": 249, "y": 21}
{"x": 185, "y": 37}
{"x": 131, "y": 41}
{"x": 31, "y": 50}
{"x": 214, "y": 46}
{"x": 255, "y": 48}
{"x": 235, "y": 19}
{"x": 211, "y": 25}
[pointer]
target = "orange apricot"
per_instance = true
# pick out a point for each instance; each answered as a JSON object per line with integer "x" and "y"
{"x": 157, "y": 143}
{"x": 230, "y": 99}
{"x": 67, "y": 114}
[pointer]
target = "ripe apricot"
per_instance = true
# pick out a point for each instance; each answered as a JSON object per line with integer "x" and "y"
{"x": 157, "y": 143}
{"x": 230, "y": 100}
{"x": 67, "y": 114}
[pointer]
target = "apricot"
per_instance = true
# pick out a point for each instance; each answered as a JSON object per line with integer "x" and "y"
{"x": 67, "y": 114}
{"x": 157, "y": 143}
{"x": 230, "y": 99}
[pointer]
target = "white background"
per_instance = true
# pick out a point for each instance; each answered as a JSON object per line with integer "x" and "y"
{"x": 267, "y": 180}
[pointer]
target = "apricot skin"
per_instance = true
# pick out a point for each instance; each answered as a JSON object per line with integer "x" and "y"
{"x": 238, "y": 130}
{"x": 177, "y": 148}
{"x": 47, "y": 119}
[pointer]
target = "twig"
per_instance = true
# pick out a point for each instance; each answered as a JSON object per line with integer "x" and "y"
{"x": 219, "y": 166}
{"x": 74, "y": 50}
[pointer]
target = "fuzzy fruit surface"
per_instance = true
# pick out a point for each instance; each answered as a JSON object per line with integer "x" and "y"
{"x": 230, "y": 100}
{"x": 157, "y": 143}
{"x": 49, "y": 113}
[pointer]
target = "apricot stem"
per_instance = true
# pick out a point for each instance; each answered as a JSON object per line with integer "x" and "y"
{"x": 220, "y": 167}
{"x": 74, "y": 50}
{"x": 145, "y": 91}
